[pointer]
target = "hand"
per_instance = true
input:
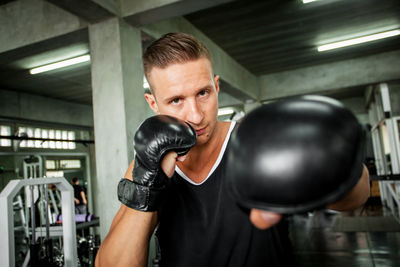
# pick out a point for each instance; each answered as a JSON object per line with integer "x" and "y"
{"x": 264, "y": 219}
{"x": 158, "y": 142}
{"x": 169, "y": 162}
{"x": 76, "y": 201}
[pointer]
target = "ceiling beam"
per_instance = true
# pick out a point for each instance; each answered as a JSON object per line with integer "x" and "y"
{"x": 328, "y": 78}
{"x": 58, "y": 42}
{"x": 25, "y": 22}
{"x": 3, "y": 2}
{"x": 144, "y": 12}
{"x": 89, "y": 10}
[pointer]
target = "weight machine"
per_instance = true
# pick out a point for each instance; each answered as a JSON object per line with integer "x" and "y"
{"x": 7, "y": 242}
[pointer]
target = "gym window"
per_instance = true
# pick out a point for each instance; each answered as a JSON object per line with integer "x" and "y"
{"x": 70, "y": 163}
{"x": 50, "y": 164}
{"x": 63, "y": 164}
{"x": 6, "y": 131}
{"x": 55, "y": 174}
{"x": 47, "y": 134}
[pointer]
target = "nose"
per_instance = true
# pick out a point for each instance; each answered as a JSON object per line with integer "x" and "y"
{"x": 194, "y": 113}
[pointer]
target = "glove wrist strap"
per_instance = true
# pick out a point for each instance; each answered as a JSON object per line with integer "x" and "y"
{"x": 139, "y": 197}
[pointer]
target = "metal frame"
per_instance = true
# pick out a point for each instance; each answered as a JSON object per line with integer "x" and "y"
{"x": 394, "y": 143}
{"x": 61, "y": 153}
{"x": 378, "y": 114}
{"x": 7, "y": 242}
{"x": 33, "y": 169}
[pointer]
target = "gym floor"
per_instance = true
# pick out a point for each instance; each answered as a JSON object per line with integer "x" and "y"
{"x": 366, "y": 237}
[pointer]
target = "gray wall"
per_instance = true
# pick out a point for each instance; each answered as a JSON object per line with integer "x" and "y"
{"x": 39, "y": 108}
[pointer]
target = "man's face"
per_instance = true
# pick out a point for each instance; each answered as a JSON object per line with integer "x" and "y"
{"x": 189, "y": 92}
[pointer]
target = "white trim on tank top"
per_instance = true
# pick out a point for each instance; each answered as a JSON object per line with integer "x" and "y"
{"x": 221, "y": 154}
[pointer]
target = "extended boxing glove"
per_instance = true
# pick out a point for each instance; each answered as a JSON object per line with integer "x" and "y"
{"x": 295, "y": 155}
{"x": 154, "y": 138}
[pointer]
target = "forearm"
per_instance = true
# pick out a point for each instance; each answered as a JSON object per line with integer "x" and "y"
{"x": 356, "y": 197}
{"x": 128, "y": 239}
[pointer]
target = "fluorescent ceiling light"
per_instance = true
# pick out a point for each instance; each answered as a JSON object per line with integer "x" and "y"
{"x": 60, "y": 64}
{"x": 359, "y": 40}
{"x": 308, "y": 1}
{"x": 225, "y": 111}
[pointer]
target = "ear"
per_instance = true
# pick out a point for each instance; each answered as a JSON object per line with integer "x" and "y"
{"x": 216, "y": 83}
{"x": 152, "y": 102}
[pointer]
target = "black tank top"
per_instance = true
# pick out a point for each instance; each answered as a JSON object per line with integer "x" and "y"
{"x": 202, "y": 225}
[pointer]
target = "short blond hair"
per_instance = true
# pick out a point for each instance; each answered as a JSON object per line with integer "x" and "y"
{"x": 173, "y": 48}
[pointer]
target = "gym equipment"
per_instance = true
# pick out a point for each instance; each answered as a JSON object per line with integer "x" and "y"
{"x": 385, "y": 132}
{"x": 7, "y": 253}
{"x": 87, "y": 250}
{"x": 78, "y": 217}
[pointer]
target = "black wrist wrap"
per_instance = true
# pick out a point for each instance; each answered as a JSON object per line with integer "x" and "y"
{"x": 139, "y": 197}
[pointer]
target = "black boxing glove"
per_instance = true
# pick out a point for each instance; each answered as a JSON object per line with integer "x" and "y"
{"x": 154, "y": 138}
{"x": 295, "y": 155}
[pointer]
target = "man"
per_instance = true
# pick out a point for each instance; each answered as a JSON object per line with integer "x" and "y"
{"x": 199, "y": 222}
{"x": 79, "y": 197}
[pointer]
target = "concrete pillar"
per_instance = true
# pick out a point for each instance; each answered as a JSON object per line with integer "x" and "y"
{"x": 118, "y": 108}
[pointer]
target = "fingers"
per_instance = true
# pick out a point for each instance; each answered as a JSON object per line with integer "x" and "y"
{"x": 264, "y": 219}
{"x": 181, "y": 158}
{"x": 168, "y": 163}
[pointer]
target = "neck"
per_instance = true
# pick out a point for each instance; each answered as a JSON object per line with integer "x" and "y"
{"x": 203, "y": 155}
{"x": 210, "y": 145}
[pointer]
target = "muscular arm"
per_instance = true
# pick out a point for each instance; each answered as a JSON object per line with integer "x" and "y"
{"x": 126, "y": 244}
{"x": 356, "y": 197}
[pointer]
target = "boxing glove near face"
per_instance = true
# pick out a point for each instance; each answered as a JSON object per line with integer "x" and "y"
{"x": 295, "y": 155}
{"x": 154, "y": 138}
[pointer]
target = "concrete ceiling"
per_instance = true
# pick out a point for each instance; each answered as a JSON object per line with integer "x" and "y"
{"x": 279, "y": 35}
{"x": 70, "y": 83}
{"x": 263, "y": 36}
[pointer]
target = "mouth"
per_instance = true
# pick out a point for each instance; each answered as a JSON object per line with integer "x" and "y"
{"x": 200, "y": 131}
